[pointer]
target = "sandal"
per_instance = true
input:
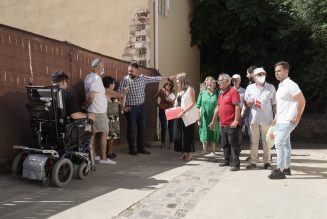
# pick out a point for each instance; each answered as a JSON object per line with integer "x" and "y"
{"x": 188, "y": 157}
{"x": 182, "y": 156}
{"x": 162, "y": 146}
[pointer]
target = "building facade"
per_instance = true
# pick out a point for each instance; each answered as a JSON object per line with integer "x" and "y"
{"x": 155, "y": 33}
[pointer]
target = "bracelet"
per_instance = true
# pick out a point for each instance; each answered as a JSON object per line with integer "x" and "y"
{"x": 87, "y": 115}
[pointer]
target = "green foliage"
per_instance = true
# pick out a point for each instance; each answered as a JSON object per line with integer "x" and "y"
{"x": 313, "y": 14}
{"x": 235, "y": 34}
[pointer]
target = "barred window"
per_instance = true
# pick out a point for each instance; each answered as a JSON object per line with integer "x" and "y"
{"x": 163, "y": 7}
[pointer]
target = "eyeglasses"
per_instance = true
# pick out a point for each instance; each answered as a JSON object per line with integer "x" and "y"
{"x": 168, "y": 85}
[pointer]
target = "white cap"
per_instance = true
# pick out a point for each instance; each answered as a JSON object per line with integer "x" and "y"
{"x": 96, "y": 62}
{"x": 236, "y": 76}
{"x": 258, "y": 70}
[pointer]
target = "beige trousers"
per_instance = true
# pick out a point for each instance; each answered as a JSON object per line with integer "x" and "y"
{"x": 255, "y": 132}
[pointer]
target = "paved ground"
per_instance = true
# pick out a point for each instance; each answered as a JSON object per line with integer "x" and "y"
{"x": 160, "y": 186}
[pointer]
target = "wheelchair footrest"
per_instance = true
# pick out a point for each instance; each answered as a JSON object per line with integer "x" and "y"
{"x": 43, "y": 151}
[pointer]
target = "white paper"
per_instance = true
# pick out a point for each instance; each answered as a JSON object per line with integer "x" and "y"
{"x": 171, "y": 97}
{"x": 191, "y": 116}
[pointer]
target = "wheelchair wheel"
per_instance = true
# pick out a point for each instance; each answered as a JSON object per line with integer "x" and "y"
{"x": 83, "y": 170}
{"x": 17, "y": 165}
{"x": 62, "y": 172}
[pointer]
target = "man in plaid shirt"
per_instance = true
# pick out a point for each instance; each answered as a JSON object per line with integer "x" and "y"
{"x": 134, "y": 109}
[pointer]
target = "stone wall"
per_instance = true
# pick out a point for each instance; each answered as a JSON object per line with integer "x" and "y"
{"x": 312, "y": 128}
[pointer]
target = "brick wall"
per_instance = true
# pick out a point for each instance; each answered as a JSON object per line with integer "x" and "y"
{"x": 29, "y": 58}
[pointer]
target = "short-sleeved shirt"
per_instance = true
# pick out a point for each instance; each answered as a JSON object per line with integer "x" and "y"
{"x": 70, "y": 103}
{"x": 136, "y": 88}
{"x": 286, "y": 104}
{"x": 241, "y": 91}
{"x": 227, "y": 101}
{"x": 266, "y": 95}
{"x": 93, "y": 82}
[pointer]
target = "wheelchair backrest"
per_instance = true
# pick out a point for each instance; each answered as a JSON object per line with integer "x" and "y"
{"x": 47, "y": 113}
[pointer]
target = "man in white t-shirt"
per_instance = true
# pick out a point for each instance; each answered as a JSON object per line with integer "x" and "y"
{"x": 290, "y": 106}
{"x": 96, "y": 102}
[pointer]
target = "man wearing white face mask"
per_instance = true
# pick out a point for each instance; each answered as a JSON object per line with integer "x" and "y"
{"x": 260, "y": 97}
{"x": 96, "y": 102}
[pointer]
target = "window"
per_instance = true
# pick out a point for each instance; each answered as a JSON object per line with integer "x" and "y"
{"x": 163, "y": 7}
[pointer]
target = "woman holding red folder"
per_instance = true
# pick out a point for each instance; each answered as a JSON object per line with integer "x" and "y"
{"x": 184, "y": 135}
{"x": 167, "y": 98}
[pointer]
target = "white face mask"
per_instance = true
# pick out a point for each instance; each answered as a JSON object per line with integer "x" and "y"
{"x": 102, "y": 71}
{"x": 261, "y": 79}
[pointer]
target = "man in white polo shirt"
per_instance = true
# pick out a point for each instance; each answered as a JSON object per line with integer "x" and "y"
{"x": 290, "y": 107}
{"x": 96, "y": 102}
{"x": 260, "y": 97}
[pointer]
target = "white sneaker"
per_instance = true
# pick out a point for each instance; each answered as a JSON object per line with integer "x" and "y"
{"x": 210, "y": 155}
{"x": 97, "y": 158}
{"x": 108, "y": 161}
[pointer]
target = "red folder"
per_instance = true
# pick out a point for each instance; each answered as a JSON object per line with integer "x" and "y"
{"x": 258, "y": 104}
{"x": 173, "y": 112}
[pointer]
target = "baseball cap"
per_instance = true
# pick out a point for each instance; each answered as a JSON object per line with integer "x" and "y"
{"x": 258, "y": 70}
{"x": 58, "y": 76}
{"x": 236, "y": 76}
{"x": 96, "y": 62}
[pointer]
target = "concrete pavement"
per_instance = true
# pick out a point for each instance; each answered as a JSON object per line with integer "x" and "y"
{"x": 160, "y": 186}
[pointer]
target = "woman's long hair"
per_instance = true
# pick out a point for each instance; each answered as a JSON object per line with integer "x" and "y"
{"x": 182, "y": 81}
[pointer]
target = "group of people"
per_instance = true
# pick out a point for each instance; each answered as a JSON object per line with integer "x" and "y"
{"x": 226, "y": 110}
{"x": 223, "y": 111}
{"x": 103, "y": 105}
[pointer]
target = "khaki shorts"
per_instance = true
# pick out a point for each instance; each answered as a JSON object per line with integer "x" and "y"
{"x": 101, "y": 124}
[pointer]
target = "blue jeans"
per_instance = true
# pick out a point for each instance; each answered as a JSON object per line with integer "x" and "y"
{"x": 163, "y": 123}
{"x": 283, "y": 144}
{"x": 135, "y": 120}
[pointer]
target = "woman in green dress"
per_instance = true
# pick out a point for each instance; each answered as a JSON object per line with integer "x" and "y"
{"x": 207, "y": 102}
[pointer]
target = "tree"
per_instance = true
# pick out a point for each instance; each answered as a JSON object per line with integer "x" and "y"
{"x": 234, "y": 34}
{"x": 313, "y": 14}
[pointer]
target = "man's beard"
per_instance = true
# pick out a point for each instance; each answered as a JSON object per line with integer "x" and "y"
{"x": 131, "y": 76}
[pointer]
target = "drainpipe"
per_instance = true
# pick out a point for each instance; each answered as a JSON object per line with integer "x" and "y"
{"x": 156, "y": 64}
{"x": 156, "y": 36}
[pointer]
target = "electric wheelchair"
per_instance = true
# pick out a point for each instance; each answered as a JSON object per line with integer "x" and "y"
{"x": 62, "y": 147}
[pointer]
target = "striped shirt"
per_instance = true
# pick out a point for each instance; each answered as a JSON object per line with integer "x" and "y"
{"x": 136, "y": 88}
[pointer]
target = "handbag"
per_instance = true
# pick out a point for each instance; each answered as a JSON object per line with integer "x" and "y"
{"x": 271, "y": 140}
